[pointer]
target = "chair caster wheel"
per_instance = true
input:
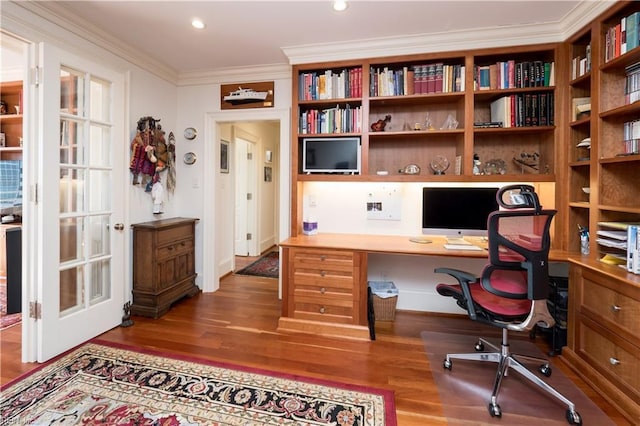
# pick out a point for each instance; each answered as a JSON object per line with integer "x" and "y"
{"x": 447, "y": 364}
{"x": 545, "y": 369}
{"x": 479, "y": 347}
{"x": 495, "y": 410}
{"x": 573, "y": 418}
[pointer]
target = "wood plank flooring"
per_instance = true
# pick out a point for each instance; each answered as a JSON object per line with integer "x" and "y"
{"x": 238, "y": 324}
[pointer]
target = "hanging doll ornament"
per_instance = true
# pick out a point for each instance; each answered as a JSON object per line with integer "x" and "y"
{"x": 151, "y": 155}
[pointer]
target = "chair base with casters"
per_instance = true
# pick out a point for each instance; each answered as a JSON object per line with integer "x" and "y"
{"x": 502, "y": 355}
{"x": 511, "y": 291}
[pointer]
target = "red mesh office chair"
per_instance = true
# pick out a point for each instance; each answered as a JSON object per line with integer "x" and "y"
{"x": 512, "y": 291}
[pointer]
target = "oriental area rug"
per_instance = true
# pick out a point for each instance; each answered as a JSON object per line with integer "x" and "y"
{"x": 107, "y": 384}
{"x": 266, "y": 266}
{"x": 465, "y": 391}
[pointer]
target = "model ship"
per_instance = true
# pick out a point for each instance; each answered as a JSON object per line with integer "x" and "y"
{"x": 243, "y": 96}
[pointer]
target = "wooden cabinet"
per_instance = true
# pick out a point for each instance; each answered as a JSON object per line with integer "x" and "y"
{"x": 324, "y": 292}
{"x": 163, "y": 265}
{"x": 11, "y": 121}
{"x": 603, "y": 340}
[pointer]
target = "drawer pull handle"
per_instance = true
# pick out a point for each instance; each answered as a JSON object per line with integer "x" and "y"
{"x": 323, "y": 290}
{"x": 322, "y": 310}
{"x": 323, "y": 257}
{"x": 615, "y": 308}
{"x": 614, "y": 361}
{"x": 323, "y": 273}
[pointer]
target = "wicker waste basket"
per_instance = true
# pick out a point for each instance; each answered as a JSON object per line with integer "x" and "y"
{"x": 385, "y": 298}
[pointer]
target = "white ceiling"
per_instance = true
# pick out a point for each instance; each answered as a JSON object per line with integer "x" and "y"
{"x": 250, "y": 33}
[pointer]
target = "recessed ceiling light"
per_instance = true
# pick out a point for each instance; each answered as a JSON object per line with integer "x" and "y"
{"x": 198, "y": 24}
{"x": 340, "y": 5}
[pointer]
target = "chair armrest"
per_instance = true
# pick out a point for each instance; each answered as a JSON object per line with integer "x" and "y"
{"x": 464, "y": 279}
{"x": 461, "y": 276}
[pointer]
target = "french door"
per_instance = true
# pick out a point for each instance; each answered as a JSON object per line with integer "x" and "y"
{"x": 80, "y": 201}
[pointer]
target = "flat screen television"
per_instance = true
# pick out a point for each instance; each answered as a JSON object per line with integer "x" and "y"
{"x": 457, "y": 211}
{"x": 331, "y": 155}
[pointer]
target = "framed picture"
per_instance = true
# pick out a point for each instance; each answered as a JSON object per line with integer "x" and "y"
{"x": 268, "y": 174}
{"x": 224, "y": 156}
{"x": 268, "y": 156}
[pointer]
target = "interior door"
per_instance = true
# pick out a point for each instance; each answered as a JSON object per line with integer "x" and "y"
{"x": 245, "y": 214}
{"x": 80, "y": 194}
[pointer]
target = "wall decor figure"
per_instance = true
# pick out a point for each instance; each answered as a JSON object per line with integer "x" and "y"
{"x": 150, "y": 156}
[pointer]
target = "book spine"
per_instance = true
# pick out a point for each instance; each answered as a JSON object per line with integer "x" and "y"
{"x": 632, "y": 236}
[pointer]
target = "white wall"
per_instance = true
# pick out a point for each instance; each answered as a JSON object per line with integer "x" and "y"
{"x": 208, "y": 194}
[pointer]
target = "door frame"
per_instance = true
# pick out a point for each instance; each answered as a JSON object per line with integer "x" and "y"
{"x": 210, "y": 269}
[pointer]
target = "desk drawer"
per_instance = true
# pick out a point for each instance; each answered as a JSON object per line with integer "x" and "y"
{"x": 621, "y": 361}
{"x": 326, "y": 313}
{"x": 617, "y": 305}
{"x": 322, "y": 260}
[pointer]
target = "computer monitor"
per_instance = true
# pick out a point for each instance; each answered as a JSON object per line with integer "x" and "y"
{"x": 457, "y": 211}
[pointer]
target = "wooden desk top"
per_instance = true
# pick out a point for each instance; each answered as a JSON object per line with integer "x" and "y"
{"x": 394, "y": 244}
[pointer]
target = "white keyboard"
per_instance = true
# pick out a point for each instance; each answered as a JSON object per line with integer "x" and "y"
{"x": 458, "y": 241}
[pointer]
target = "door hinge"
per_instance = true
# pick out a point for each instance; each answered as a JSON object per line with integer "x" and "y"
{"x": 35, "y": 310}
{"x": 249, "y": 155}
{"x": 249, "y": 236}
{"x": 35, "y": 76}
{"x": 34, "y": 193}
{"x": 249, "y": 196}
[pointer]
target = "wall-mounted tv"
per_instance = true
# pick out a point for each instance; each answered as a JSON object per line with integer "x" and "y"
{"x": 331, "y": 155}
{"x": 457, "y": 211}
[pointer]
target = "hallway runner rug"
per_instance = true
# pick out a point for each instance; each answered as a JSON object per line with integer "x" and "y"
{"x": 266, "y": 266}
{"x": 105, "y": 383}
{"x": 465, "y": 391}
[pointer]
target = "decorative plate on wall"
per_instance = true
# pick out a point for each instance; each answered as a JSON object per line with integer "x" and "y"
{"x": 189, "y": 158}
{"x": 190, "y": 133}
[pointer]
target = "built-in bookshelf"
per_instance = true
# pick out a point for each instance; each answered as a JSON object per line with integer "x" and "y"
{"x": 433, "y": 102}
{"x": 618, "y": 166}
{"x": 579, "y": 142}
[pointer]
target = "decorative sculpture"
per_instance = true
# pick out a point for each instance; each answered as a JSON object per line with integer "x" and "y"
{"x": 379, "y": 125}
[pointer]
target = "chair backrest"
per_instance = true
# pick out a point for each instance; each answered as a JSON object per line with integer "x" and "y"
{"x": 519, "y": 242}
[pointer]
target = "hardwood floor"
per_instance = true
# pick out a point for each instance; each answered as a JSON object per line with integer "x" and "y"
{"x": 238, "y": 324}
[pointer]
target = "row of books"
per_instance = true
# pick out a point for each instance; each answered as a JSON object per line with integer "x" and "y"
{"x": 514, "y": 75}
{"x": 418, "y": 79}
{"x": 346, "y": 83}
{"x": 331, "y": 120}
{"x": 632, "y": 83}
{"x": 620, "y": 243}
{"x": 523, "y": 110}
{"x": 581, "y": 65}
{"x": 622, "y": 37}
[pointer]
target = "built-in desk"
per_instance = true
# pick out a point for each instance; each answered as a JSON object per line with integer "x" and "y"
{"x": 324, "y": 279}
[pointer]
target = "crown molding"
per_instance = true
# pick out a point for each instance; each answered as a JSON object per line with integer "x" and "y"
{"x": 243, "y": 74}
{"x": 476, "y": 38}
{"x": 582, "y": 15}
{"x": 58, "y": 15}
